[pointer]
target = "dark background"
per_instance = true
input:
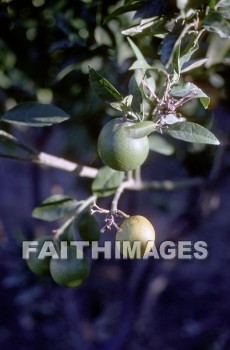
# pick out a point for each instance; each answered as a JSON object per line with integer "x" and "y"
{"x": 45, "y": 49}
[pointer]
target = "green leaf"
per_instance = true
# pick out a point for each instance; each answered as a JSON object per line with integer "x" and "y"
{"x": 140, "y": 58}
{"x": 140, "y": 65}
{"x": 212, "y": 4}
{"x": 140, "y": 129}
{"x": 166, "y": 47}
{"x": 107, "y": 181}
{"x": 191, "y": 132}
{"x": 145, "y": 66}
{"x": 160, "y": 145}
{"x": 103, "y": 87}
{"x": 133, "y": 6}
{"x": 14, "y": 149}
{"x": 124, "y": 105}
{"x": 190, "y": 89}
{"x": 179, "y": 57}
{"x": 176, "y": 64}
{"x": 172, "y": 119}
{"x": 148, "y": 88}
{"x": 102, "y": 37}
{"x": 217, "y": 50}
{"x": 135, "y": 92}
{"x": 190, "y": 48}
{"x": 150, "y": 8}
{"x": 223, "y": 7}
{"x": 216, "y": 23}
{"x": 147, "y": 27}
{"x": 193, "y": 64}
{"x": 35, "y": 114}
{"x": 55, "y": 207}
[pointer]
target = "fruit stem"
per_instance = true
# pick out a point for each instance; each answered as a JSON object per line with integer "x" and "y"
{"x": 137, "y": 174}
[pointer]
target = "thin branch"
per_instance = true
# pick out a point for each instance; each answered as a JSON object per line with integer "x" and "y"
{"x": 143, "y": 82}
{"x": 123, "y": 186}
{"x": 168, "y": 185}
{"x": 165, "y": 185}
{"x": 63, "y": 164}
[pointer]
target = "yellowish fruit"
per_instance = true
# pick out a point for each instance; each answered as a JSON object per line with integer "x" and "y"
{"x": 70, "y": 272}
{"x": 118, "y": 150}
{"x": 137, "y": 231}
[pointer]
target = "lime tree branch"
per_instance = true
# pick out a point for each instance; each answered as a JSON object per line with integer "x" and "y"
{"x": 165, "y": 185}
{"x": 63, "y": 164}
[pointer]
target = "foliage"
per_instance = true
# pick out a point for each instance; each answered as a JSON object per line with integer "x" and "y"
{"x": 155, "y": 56}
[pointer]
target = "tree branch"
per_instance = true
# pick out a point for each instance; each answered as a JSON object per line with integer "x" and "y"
{"x": 63, "y": 164}
{"x": 165, "y": 185}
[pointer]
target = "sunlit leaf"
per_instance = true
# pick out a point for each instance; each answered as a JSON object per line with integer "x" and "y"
{"x": 223, "y": 7}
{"x": 172, "y": 119}
{"x": 193, "y": 64}
{"x": 103, "y": 87}
{"x": 147, "y": 27}
{"x": 216, "y": 23}
{"x": 192, "y": 90}
{"x": 191, "y": 132}
{"x": 139, "y": 130}
{"x": 179, "y": 56}
{"x": 140, "y": 65}
{"x": 124, "y": 105}
{"x": 140, "y": 58}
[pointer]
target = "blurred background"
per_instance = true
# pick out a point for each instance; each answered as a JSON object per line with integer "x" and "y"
{"x": 45, "y": 50}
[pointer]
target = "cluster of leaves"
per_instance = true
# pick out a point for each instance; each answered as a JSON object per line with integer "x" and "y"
{"x": 59, "y": 207}
{"x": 158, "y": 79}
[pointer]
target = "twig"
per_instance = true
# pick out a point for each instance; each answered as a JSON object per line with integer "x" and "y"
{"x": 150, "y": 90}
{"x": 165, "y": 185}
{"x": 123, "y": 186}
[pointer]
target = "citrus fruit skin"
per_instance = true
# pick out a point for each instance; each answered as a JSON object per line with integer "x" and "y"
{"x": 88, "y": 228}
{"x": 136, "y": 228}
{"x": 119, "y": 151}
{"x": 40, "y": 267}
{"x": 70, "y": 272}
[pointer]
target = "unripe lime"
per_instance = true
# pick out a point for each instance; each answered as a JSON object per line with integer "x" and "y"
{"x": 118, "y": 150}
{"x": 70, "y": 272}
{"x": 136, "y": 230}
{"x": 88, "y": 228}
{"x": 40, "y": 267}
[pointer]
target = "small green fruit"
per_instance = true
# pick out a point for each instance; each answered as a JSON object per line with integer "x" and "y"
{"x": 119, "y": 151}
{"x": 70, "y": 272}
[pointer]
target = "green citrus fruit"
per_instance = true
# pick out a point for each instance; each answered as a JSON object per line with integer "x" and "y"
{"x": 40, "y": 267}
{"x": 88, "y": 228}
{"x": 70, "y": 272}
{"x": 119, "y": 151}
{"x": 136, "y": 231}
